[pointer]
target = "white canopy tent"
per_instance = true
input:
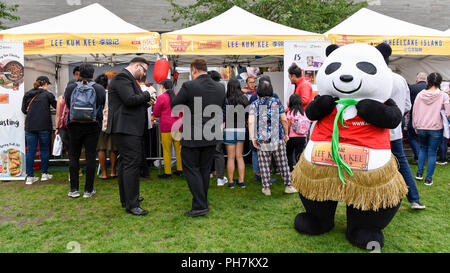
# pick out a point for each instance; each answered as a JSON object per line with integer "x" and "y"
{"x": 370, "y": 23}
{"x": 91, "y": 22}
{"x": 372, "y": 27}
{"x": 236, "y": 25}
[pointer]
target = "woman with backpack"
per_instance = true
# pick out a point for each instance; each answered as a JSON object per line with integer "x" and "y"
{"x": 298, "y": 129}
{"x": 38, "y": 126}
{"x": 234, "y": 131}
{"x": 269, "y": 132}
{"x": 86, "y": 100}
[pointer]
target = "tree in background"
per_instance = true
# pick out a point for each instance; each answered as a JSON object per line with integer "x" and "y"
{"x": 6, "y": 12}
{"x": 316, "y": 16}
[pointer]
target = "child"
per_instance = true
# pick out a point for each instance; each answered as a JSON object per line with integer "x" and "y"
{"x": 298, "y": 129}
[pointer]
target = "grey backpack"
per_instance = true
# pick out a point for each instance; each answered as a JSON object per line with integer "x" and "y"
{"x": 83, "y": 103}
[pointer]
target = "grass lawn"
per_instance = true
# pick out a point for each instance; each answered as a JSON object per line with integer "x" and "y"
{"x": 41, "y": 218}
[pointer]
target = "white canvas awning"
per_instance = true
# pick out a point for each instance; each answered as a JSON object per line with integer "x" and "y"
{"x": 92, "y": 29}
{"x": 90, "y": 19}
{"x": 237, "y": 21}
{"x": 89, "y": 34}
{"x": 367, "y": 22}
{"x": 234, "y": 32}
{"x": 414, "y": 48}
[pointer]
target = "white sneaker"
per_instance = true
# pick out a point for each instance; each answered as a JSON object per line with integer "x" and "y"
{"x": 46, "y": 176}
{"x": 221, "y": 182}
{"x": 290, "y": 189}
{"x": 31, "y": 179}
{"x": 442, "y": 163}
{"x": 89, "y": 194}
{"x": 417, "y": 205}
{"x": 74, "y": 194}
{"x": 266, "y": 191}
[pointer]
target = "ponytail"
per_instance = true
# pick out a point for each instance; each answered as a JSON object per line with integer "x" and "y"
{"x": 171, "y": 94}
{"x": 434, "y": 79}
{"x": 38, "y": 84}
{"x": 168, "y": 85}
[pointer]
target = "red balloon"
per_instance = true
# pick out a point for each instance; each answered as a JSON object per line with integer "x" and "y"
{"x": 161, "y": 70}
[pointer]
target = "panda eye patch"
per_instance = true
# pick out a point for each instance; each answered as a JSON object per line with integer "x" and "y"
{"x": 367, "y": 68}
{"x": 332, "y": 67}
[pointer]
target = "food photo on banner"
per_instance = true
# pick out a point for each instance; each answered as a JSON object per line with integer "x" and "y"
{"x": 12, "y": 133}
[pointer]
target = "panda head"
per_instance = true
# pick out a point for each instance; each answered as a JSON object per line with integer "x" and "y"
{"x": 357, "y": 71}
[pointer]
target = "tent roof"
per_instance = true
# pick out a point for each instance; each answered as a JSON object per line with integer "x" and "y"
{"x": 90, "y": 19}
{"x": 370, "y": 23}
{"x": 237, "y": 21}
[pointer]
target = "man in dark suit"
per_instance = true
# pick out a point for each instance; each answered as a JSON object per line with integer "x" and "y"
{"x": 198, "y": 145}
{"x": 421, "y": 84}
{"x": 126, "y": 122}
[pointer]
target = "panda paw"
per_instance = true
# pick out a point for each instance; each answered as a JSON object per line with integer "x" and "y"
{"x": 384, "y": 115}
{"x": 320, "y": 107}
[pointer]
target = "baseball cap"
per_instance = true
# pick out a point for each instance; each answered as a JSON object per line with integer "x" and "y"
{"x": 43, "y": 79}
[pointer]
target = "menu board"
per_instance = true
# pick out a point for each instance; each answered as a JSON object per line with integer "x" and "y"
{"x": 12, "y": 120}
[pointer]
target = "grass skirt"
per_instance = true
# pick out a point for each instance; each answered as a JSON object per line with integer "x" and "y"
{"x": 366, "y": 190}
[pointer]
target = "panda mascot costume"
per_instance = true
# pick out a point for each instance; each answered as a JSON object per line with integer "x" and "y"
{"x": 348, "y": 157}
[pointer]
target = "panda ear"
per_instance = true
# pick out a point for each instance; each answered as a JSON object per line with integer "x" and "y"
{"x": 330, "y": 49}
{"x": 385, "y": 50}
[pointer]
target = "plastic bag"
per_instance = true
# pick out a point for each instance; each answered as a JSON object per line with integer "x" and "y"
{"x": 57, "y": 146}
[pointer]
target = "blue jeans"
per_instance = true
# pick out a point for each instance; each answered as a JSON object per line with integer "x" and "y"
{"x": 412, "y": 140}
{"x": 429, "y": 142}
{"x": 255, "y": 162}
{"x": 405, "y": 170}
{"x": 443, "y": 150}
{"x": 32, "y": 138}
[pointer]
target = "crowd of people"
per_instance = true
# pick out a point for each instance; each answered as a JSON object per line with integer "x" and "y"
{"x": 112, "y": 116}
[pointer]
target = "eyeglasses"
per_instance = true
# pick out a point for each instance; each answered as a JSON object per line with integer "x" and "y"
{"x": 145, "y": 70}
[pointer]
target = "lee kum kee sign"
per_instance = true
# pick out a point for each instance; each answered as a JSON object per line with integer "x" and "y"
{"x": 356, "y": 157}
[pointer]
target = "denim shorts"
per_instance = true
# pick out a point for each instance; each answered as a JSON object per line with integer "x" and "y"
{"x": 233, "y": 137}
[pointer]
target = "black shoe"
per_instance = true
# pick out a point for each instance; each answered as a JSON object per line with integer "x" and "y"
{"x": 165, "y": 176}
{"x": 137, "y": 211}
{"x": 419, "y": 176}
{"x": 178, "y": 173}
{"x": 195, "y": 213}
